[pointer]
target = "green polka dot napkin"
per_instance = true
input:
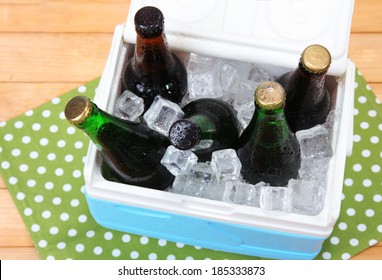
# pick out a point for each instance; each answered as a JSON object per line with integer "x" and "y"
{"x": 41, "y": 162}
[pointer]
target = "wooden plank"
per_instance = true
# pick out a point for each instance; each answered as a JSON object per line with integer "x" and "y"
{"x": 52, "y": 57}
{"x": 377, "y": 89}
{"x": 367, "y": 16}
{"x": 31, "y": 94}
{"x": 373, "y": 253}
{"x": 17, "y": 253}
{"x": 62, "y": 16}
{"x": 365, "y": 51}
{"x": 12, "y": 230}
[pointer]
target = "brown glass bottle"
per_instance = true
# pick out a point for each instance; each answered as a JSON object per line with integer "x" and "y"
{"x": 268, "y": 150}
{"x": 210, "y": 120}
{"x": 131, "y": 151}
{"x": 154, "y": 69}
{"x": 307, "y": 97}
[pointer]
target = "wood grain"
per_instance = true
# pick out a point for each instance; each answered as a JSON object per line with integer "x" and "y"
{"x": 50, "y": 47}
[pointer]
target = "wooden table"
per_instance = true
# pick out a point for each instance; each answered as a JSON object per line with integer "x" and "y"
{"x": 36, "y": 65}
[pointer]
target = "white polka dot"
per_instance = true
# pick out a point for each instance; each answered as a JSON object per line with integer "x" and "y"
{"x": 56, "y": 100}
{"x": 153, "y": 256}
{"x": 369, "y": 212}
{"x": 41, "y": 170}
{"x": 80, "y": 248}
{"x": 350, "y": 212}
{"x": 3, "y": 123}
{"x": 108, "y": 235}
{"x": 33, "y": 155}
{"x": 6, "y": 165}
{"x": 366, "y": 153}
{"x": 64, "y": 217}
{"x": 98, "y": 250}
{"x": 50, "y": 258}
{"x": 77, "y": 173}
{"x": 362, "y": 99}
{"x": 72, "y": 232}
{"x": 74, "y": 202}
{"x": 16, "y": 152}
{"x": 372, "y": 113}
{"x": 42, "y": 243}
{"x": 29, "y": 113}
{"x": 23, "y": 167}
{"x": 377, "y": 198}
{"x": 374, "y": 139}
{"x": 53, "y": 230}
{"x": 144, "y": 240}
{"x": 364, "y": 125}
{"x": 162, "y": 242}
{"x": 46, "y": 214}
{"x": 171, "y": 257}
{"x": 179, "y": 245}
{"x": 90, "y": 233}
{"x": 126, "y": 238}
{"x": 46, "y": 113}
{"x": 375, "y": 168}
{"x": 134, "y": 255}
{"x": 49, "y": 185}
{"x": 62, "y": 116}
{"x": 20, "y": 196}
{"x": 361, "y": 227}
{"x": 68, "y": 158}
{"x": 35, "y": 227}
{"x": 8, "y": 137}
{"x": 36, "y": 126}
{"x": 379, "y": 228}
{"x": 61, "y": 245}
{"x": 39, "y": 198}
{"x": 356, "y": 138}
{"x": 19, "y": 124}
{"x": 334, "y": 240}
{"x": 67, "y": 187}
{"x": 358, "y": 197}
{"x": 70, "y": 130}
{"x": 345, "y": 256}
{"x": 372, "y": 242}
{"x": 31, "y": 183}
{"x": 51, "y": 156}
{"x": 354, "y": 242}
{"x": 81, "y": 89}
{"x": 189, "y": 258}
{"x": 357, "y": 167}
{"x": 26, "y": 139}
{"x": 116, "y": 253}
{"x": 82, "y": 218}
{"x": 61, "y": 143}
{"x": 59, "y": 172}
{"x": 78, "y": 145}
{"x": 342, "y": 226}
{"x": 56, "y": 201}
{"x": 53, "y": 128}
{"x": 366, "y": 183}
{"x": 355, "y": 111}
{"x": 28, "y": 211}
{"x": 380, "y": 126}
{"x": 13, "y": 180}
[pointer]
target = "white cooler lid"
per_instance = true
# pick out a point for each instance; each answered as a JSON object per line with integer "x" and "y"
{"x": 271, "y": 32}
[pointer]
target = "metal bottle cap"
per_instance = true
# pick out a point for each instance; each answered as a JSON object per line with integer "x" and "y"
{"x": 270, "y": 96}
{"x": 149, "y": 22}
{"x": 316, "y": 59}
{"x": 78, "y": 109}
{"x": 184, "y": 134}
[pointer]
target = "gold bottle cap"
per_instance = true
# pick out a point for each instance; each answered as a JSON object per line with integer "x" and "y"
{"x": 78, "y": 110}
{"x": 270, "y": 96}
{"x": 316, "y": 59}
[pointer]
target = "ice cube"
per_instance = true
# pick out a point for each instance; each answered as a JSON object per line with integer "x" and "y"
{"x": 128, "y": 106}
{"x": 179, "y": 184}
{"x": 245, "y": 113}
{"x": 307, "y": 197}
{"x": 162, "y": 114}
{"x": 244, "y": 94}
{"x": 199, "y": 180}
{"x": 203, "y": 144}
{"x": 258, "y": 74}
{"x": 315, "y": 142}
{"x": 199, "y": 64}
{"x": 200, "y": 85}
{"x": 314, "y": 169}
{"x": 276, "y": 198}
{"x": 178, "y": 161}
{"x": 226, "y": 165}
{"x": 239, "y": 192}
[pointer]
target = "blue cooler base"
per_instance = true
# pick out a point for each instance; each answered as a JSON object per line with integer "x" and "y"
{"x": 220, "y": 236}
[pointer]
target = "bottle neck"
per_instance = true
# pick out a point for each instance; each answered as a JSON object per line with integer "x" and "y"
{"x": 206, "y": 126}
{"x": 152, "y": 54}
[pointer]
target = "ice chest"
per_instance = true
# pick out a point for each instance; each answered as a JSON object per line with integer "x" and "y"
{"x": 272, "y": 33}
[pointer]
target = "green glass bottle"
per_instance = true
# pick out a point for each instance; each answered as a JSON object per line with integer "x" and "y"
{"x": 208, "y": 125}
{"x": 308, "y": 99}
{"x": 131, "y": 151}
{"x": 154, "y": 69}
{"x": 268, "y": 150}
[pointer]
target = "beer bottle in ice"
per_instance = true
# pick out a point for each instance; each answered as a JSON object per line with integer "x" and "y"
{"x": 154, "y": 69}
{"x": 308, "y": 99}
{"x": 268, "y": 150}
{"x": 132, "y": 151}
{"x": 208, "y": 125}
